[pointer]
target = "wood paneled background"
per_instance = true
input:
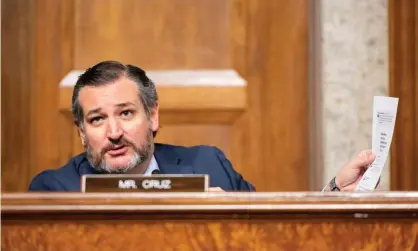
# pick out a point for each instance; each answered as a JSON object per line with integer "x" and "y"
{"x": 266, "y": 42}
{"x": 263, "y": 127}
{"x": 403, "y": 67}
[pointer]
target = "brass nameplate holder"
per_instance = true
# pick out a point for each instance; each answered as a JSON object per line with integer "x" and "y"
{"x": 111, "y": 183}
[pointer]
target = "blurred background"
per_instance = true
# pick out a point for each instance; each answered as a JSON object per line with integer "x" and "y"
{"x": 284, "y": 87}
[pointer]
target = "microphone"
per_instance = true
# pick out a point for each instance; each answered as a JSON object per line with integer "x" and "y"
{"x": 156, "y": 171}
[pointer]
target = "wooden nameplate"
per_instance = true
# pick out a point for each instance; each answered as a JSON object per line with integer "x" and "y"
{"x": 110, "y": 183}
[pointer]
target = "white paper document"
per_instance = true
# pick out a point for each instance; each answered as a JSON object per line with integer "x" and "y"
{"x": 384, "y": 116}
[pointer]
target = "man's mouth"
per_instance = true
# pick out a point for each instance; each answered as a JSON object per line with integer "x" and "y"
{"x": 117, "y": 150}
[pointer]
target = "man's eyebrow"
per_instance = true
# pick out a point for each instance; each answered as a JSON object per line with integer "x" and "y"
{"x": 125, "y": 104}
{"x": 121, "y": 105}
{"x": 93, "y": 111}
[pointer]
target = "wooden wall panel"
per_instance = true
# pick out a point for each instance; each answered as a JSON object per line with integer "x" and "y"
{"x": 16, "y": 78}
{"x": 403, "y": 70}
{"x": 38, "y": 43}
{"x": 158, "y": 34}
{"x": 271, "y": 139}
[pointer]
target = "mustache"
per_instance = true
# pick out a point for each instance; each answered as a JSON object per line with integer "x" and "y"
{"x": 120, "y": 142}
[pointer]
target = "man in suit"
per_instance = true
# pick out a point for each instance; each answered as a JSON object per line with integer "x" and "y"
{"x": 116, "y": 111}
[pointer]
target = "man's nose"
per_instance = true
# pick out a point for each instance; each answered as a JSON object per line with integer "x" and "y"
{"x": 114, "y": 131}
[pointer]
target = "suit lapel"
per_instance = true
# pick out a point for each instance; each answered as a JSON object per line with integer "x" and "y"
{"x": 169, "y": 161}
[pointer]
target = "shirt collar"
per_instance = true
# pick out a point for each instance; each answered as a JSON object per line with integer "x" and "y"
{"x": 153, "y": 165}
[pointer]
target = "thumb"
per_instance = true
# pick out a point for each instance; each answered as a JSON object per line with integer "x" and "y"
{"x": 364, "y": 158}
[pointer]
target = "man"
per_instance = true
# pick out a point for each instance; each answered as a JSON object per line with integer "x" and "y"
{"x": 116, "y": 111}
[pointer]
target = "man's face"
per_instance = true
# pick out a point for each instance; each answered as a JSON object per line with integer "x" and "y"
{"x": 116, "y": 133}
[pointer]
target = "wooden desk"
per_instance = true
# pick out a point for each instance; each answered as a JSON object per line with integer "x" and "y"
{"x": 210, "y": 221}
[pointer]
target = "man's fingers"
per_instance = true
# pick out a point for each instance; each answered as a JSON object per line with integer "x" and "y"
{"x": 364, "y": 158}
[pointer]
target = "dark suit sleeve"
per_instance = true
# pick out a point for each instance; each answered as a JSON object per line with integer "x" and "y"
{"x": 237, "y": 181}
{"x": 45, "y": 181}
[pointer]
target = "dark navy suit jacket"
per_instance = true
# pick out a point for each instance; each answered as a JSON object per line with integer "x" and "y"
{"x": 171, "y": 160}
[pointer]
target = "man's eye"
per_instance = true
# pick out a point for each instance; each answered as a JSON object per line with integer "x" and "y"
{"x": 95, "y": 120}
{"x": 126, "y": 113}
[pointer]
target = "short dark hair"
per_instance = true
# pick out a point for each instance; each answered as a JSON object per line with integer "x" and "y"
{"x": 107, "y": 72}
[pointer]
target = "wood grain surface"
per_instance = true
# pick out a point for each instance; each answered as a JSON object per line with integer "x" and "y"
{"x": 13, "y": 203}
{"x": 403, "y": 83}
{"x": 210, "y": 221}
{"x": 270, "y": 141}
{"x": 161, "y": 34}
{"x": 37, "y": 53}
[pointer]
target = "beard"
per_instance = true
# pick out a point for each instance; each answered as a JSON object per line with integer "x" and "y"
{"x": 141, "y": 154}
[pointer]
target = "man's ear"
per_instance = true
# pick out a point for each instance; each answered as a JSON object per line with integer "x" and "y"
{"x": 82, "y": 135}
{"x": 154, "y": 117}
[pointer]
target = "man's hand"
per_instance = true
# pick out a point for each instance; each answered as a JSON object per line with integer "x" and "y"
{"x": 350, "y": 175}
{"x": 215, "y": 189}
